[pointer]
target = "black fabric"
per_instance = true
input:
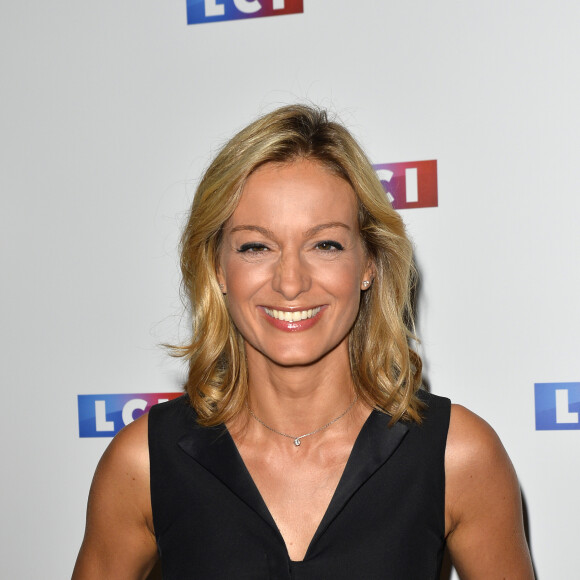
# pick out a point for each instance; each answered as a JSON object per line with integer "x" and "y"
{"x": 385, "y": 520}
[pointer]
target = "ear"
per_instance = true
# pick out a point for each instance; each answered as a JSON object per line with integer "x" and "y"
{"x": 221, "y": 279}
{"x": 368, "y": 275}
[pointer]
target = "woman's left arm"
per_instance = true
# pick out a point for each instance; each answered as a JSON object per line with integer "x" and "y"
{"x": 483, "y": 506}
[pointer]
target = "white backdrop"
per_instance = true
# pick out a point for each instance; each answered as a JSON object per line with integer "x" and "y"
{"x": 111, "y": 110}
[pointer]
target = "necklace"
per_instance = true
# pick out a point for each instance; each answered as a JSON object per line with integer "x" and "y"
{"x": 298, "y": 440}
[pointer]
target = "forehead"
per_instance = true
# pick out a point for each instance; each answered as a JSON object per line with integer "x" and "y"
{"x": 301, "y": 192}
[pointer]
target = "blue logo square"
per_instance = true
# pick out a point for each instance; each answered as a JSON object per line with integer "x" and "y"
{"x": 557, "y": 406}
{"x": 106, "y": 415}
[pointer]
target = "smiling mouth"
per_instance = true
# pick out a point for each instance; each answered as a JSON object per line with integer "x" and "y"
{"x": 295, "y": 316}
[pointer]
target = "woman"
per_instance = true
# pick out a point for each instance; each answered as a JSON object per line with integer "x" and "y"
{"x": 304, "y": 447}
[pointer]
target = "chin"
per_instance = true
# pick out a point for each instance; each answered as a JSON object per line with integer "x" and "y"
{"x": 295, "y": 359}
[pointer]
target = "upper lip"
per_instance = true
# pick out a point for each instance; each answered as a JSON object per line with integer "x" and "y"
{"x": 293, "y": 308}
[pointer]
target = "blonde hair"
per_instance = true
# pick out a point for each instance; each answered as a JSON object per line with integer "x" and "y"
{"x": 386, "y": 371}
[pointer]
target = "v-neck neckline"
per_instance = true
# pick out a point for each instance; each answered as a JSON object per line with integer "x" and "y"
{"x": 215, "y": 449}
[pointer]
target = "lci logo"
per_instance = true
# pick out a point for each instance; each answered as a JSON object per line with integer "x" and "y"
{"x": 557, "y": 406}
{"x": 106, "y": 415}
{"x": 409, "y": 185}
{"x": 200, "y": 11}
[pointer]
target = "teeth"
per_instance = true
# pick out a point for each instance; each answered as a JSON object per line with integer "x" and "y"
{"x": 292, "y": 316}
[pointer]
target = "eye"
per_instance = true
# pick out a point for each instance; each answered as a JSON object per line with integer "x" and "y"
{"x": 252, "y": 247}
{"x": 329, "y": 246}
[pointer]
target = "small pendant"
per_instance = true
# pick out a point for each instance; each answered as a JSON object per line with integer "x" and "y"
{"x": 297, "y": 442}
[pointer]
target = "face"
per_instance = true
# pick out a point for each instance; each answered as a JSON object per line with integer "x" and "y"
{"x": 293, "y": 265}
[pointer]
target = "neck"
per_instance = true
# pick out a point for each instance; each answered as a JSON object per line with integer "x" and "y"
{"x": 297, "y": 439}
{"x": 298, "y": 400}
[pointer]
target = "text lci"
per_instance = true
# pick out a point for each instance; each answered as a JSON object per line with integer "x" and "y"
{"x": 106, "y": 415}
{"x": 557, "y": 406}
{"x": 200, "y": 11}
{"x": 411, "y": 184}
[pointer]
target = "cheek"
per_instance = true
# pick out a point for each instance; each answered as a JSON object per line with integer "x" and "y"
{"x": 344, "y": 278}
{"x": 242, "y": 280}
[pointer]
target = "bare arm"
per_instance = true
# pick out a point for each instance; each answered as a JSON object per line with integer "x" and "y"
{"x": 119, "y": 543}
{"x": 483, "y": 504}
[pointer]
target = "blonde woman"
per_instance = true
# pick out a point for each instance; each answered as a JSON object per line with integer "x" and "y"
{"x": 304, "y": 446}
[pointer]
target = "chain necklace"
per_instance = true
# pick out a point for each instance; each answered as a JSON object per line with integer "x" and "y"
{"x": 297, "y": 440}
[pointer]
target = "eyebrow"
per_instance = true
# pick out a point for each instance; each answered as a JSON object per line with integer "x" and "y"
{"x": 308, "y": 234}
{"x": 330, "y": 225}
{"x": 244, "y": 228}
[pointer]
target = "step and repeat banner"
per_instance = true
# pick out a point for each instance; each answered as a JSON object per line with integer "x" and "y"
{"x": 110, "y": 113}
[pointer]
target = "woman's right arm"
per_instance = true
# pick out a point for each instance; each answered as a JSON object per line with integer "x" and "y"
{"x": 119, "y": 542}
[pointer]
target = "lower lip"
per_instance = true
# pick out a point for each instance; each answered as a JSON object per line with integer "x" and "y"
{"x": 294, "y": 326}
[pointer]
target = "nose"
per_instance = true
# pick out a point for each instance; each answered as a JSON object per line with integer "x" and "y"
{"x": 291, "y": 277}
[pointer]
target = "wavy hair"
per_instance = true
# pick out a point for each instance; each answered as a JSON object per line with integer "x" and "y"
{"x": 386, "y": 371}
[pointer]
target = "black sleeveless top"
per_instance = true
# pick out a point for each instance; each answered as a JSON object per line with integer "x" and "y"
{"x": 386, "y": 518}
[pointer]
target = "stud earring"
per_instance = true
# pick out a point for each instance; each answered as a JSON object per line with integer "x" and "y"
{"x": 222, "y": 287}
{"x": 366, "y": 284}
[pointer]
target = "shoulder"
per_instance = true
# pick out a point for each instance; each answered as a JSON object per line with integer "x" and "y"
{"x": 121, "y": 480}
{"x": 474, "y": 460}
{"x": 128, "y": 452}
{"x": 435, "y": 412}
{"x": 119, "y": 540}
{"x": 434, "y": 404}
{"x": 470, "y": 441}
{"x": 167, "y": 423}
{"x": 483, "y": 511}
{"x": 176, "y": 413}
{"x": 432, "y": 400}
